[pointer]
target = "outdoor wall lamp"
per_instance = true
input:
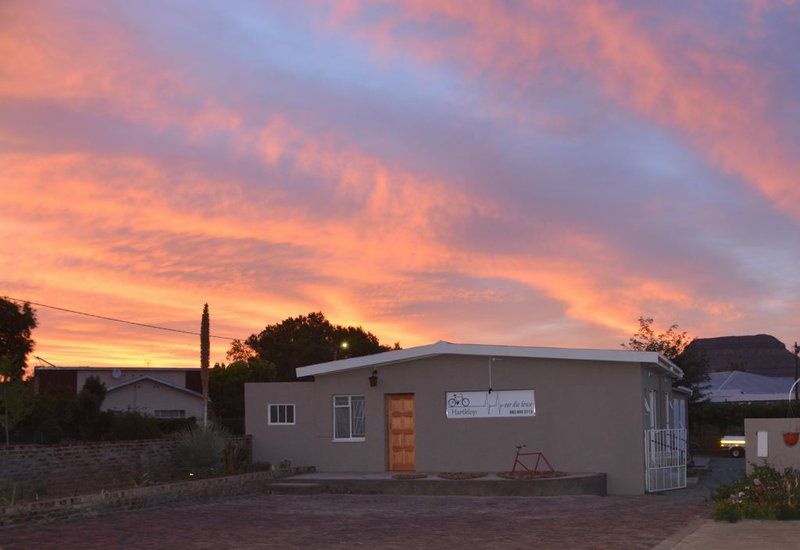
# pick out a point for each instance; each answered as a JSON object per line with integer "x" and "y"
{"x": 373, "y": 379}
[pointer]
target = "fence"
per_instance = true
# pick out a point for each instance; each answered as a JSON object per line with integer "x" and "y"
{"x": 665, "y": 459}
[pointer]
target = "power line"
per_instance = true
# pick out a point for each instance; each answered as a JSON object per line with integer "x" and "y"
{"x": 145, "y": 325}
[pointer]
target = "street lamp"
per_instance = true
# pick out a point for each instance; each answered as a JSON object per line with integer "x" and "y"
{"x": 343, "y": 346}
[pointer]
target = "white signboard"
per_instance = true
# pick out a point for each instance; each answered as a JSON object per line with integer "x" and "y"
{"x": 495, "y": 404}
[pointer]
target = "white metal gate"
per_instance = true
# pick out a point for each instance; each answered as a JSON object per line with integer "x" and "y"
{"x": 665, "y": 459}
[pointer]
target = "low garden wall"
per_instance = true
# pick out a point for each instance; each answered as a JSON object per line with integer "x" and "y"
{"x": 45, "y": 471}
{"x": 779, "y": 454}
{"x": 139, "y": 497}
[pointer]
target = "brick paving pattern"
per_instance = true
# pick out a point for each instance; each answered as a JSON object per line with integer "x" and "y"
{"x": 375, "y": 521}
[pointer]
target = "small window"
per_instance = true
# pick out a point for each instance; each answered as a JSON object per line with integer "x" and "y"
{"x": 281, "y": 415}
{"x": 348, "y": 418}
{"x": 169, "y": 413}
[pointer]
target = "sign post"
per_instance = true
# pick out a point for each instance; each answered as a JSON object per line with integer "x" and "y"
{"x": 494, "y": 404}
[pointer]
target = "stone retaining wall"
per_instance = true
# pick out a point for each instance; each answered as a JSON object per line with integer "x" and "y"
{"x": 46, "y": 471}
{"x": 139, "y": 497}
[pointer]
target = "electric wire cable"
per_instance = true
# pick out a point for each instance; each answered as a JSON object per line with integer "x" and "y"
{"x": 145, "y": 325}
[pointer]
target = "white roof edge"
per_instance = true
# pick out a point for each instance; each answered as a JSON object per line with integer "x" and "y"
{"x": 683, "y": 389}
{"x": 447, "y": 348}
{"x": 157, "y": 380}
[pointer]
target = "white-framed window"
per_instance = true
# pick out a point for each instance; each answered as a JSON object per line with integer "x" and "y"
{"x": 651, "y": 410}
{"x": 348, "y": 418}
{"x": 169, "y": 413}
{"x": 281, "y": 414}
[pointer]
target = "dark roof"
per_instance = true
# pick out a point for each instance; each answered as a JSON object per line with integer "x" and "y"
{"x": 759, "y": 354}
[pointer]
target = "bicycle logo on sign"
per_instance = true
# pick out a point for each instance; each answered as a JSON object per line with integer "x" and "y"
{"x": 458, "y": 400}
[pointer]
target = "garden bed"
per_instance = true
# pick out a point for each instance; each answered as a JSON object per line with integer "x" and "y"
{"x": 458, "y": 476}
{"x": 141, "y": 497}
{"x": 531, "y": 475}
{"x": 765, "y": 493}
{"x": 402, "y": 477}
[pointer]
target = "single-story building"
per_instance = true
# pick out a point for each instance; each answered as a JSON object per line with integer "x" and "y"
{"x": 159, "y": 392}
{"x": 464, "y": 407}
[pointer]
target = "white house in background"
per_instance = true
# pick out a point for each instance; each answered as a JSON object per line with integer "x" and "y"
{"x": 159, "y": 392}
{"x": 739, "y": 386}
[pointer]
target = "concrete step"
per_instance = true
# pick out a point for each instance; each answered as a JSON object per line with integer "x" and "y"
{"x": 290, "y": 488}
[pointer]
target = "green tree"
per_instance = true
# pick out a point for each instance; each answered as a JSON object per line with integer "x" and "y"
{"x": 205, "y": 354}
{"x": 16, "y": 403}
{"x": 226, "y": 384}
{"x": 239, "y": 351}
{"x": 672, "y": 344}
{"x": 16, "y": 324}
{"x": 310, "y": 339}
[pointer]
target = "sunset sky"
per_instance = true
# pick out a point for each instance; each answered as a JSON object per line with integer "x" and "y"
{"x": 535, "y": 173}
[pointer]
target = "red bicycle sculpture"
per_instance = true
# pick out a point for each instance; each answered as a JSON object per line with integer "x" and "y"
{"x": 539, "y": 458}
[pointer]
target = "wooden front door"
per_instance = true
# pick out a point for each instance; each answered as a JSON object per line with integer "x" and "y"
{"x": 400, "y": 432}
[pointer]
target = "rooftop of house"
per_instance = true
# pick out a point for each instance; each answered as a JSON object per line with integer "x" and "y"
{"x": 748, "y": 383}
{"x": 448, "y": 348}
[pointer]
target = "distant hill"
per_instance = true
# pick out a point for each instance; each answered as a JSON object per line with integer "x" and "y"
{"x": 760, "y": 354}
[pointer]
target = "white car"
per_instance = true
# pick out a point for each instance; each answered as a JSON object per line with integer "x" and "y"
{"x": 734, "y": 444}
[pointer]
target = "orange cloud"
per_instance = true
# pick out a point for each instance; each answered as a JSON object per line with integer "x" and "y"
{"x": 135, "y": 236}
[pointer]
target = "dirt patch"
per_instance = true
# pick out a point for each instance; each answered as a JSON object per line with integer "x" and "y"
{"x": 462, "y": 475}
{"x": 409, "y": 476}
{"x": 531, "y": 475}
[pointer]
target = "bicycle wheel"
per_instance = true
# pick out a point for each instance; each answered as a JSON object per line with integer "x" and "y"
{"x": 465, "y": 402}
{"x": 451, "y": 402}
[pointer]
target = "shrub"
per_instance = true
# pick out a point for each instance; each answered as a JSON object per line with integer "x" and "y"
{"x": 237, "y": 458}
{"x": 131, "y": 425}
{"x": 201, "y": 450}
{"x": 173, "y": 425}
{"x": 763, "y": 494}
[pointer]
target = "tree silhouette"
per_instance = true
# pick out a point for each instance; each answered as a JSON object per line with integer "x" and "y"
{"x": 16, "y": 324}
{"x": 310, "y": 339}
{"x": 205, "y": 354}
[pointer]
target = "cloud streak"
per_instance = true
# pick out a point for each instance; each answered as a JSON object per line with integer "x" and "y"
{"x": 533, "y": 175}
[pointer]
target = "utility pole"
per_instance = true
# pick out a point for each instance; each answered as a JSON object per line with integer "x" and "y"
{"x": 205, "y": 354}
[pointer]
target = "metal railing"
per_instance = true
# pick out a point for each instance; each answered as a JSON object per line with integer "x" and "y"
{"x": 665, "y": 453}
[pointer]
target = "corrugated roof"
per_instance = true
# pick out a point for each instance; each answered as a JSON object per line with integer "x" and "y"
{"x": 746, "y": 386}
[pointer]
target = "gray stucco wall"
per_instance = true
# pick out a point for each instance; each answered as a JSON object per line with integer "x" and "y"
{"x": 588, "y": 418}
{"x": 147, "y": 396}
{"x": 779, "y": 455}
{"x": 656, "y": 380}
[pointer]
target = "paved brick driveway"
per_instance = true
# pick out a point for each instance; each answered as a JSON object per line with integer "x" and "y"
{"x": 376, "y": 521}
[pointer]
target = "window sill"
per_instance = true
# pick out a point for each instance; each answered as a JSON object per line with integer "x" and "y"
{"x": 350, "y": 440}
{"x": 281, "y": 424}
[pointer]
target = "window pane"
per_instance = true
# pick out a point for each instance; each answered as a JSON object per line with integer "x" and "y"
{"x": 290, "y": 414}
{"x": 341, "y": 422}
{"x": 358, "y": 416}
{"x": 341, "y": 400}
{"x": 282, "y": 414}
{"x": 273, "y": 414}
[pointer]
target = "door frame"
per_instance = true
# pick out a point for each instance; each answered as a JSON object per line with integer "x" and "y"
{"x": 388, "y": 439}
